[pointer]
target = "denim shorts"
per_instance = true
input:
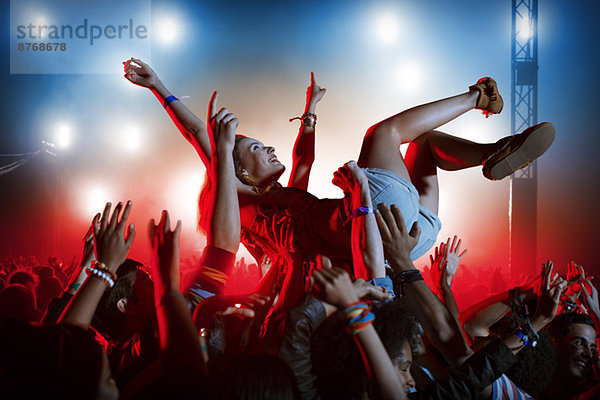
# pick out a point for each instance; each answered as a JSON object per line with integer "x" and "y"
{"x": 390, "y": 188}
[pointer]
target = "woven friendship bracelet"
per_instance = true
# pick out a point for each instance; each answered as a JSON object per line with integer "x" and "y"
{"x": 358, "y": 316}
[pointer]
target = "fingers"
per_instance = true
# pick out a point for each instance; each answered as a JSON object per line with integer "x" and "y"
{"x": 323, "y": 262}
{"x": 384, "y": 229}
{"x": 152, "y": 232}
{"x": 415, "y": 232}
{"x": 130, "y": 236}
{"x": 399, "y": 219}
{"x": 125, "y": 215}
{"x": 105, "y": 215}
{"x": 212, "y": 105}
{"x": 312, "y": 79}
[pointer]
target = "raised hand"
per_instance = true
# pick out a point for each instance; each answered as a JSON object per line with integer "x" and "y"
{"x": 438, "y": 264}
{"x": 110, "y": 243}
{"x": 452, "y": 258}
{"x": 575, "y": 274}
{"x": 363, "y": 289}
{"x": 591, "y": 299}
{"x": 165, "y": 255}
{"x": 551, "y": 289}
{"x": 223, "y": 125}
{"x": 397, "y": 241}
{"x": 333, "y": 286}
{"x": 140, "y": 74}
{"x": 314, "y": 93}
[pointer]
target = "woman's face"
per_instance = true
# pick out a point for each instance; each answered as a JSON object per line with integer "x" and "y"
{"x": 259, "y": 162}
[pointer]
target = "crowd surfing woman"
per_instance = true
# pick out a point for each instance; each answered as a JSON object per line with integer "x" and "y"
{"x": 290, "y": 224}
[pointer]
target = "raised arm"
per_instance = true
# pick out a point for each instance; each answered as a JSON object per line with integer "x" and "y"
{"x": 111, "y": 247}
{"x": 190, "y": 126}
{"x": 334, "y": 287}
{"x": 224, "y": 228}
{"x": 435, "y": 318}
{"x": 179, "y": 343}
{"x": 303, "y": 154}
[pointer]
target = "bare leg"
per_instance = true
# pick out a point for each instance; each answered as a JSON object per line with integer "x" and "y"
{"x": 380, "y": 148}
{"x": 434, "y": 150}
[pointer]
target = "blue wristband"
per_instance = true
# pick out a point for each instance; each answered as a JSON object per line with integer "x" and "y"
{"x": 360, "y": 211}
{"x": 169, "y": 100}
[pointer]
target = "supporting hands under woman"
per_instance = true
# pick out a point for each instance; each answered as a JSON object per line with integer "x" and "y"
{"x": 365, "y": 236}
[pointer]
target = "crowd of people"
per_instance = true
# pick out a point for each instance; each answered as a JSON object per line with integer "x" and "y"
{"x": 339, "y": 310}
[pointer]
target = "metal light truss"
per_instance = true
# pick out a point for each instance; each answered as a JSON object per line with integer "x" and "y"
{"x": 524, "y": 65}
{"x": 523, "y": 183}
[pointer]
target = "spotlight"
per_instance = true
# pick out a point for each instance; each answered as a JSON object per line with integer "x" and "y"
{"x": 93, "y": 200}
{"x": 524, "y": 28}
{"x": 62, "y": 136}
{"x": 387, "y": 27}
{"x": 166, "y": 30}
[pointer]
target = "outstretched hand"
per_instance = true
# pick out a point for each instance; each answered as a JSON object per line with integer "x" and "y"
{"x": 110, "y": 244}
{"x": 552, "y": 287}
{"x": 333, "y": 286}
{"x": 397, "y": 241}
{"x": 223, "y": 125}
{"x": 140, "y": 74}
{"x": 314, "y": 93}
{"x": 165, "y": 255}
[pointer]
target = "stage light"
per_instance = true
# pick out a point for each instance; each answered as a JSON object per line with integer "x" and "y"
{"x": 408, "y": 76}
{"x": 387, "y": 27}
{"x": 130, "y": 139}
{"x": 166, "y": 30}
{"x": 93, "y": 199}
{"x": 63, "y": 136}
{"x": 524, "y": 28}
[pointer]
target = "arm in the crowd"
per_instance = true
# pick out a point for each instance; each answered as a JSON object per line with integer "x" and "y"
{"x": 111, "y": 247}
{"x": 367, "y": 249}
{"x": 334, "y": 287}
{"x": 437, "y": 322}
{"x": 303, "y": 154}
{"x": 179, "y": 342}
{"x": 58, "y": 304}
{"x": 477, "y": 319}
{"x": 191, "y": 127}
{"x": 224, "y": 228}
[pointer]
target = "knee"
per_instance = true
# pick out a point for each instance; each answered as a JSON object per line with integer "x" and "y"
{"x": 383, "y": 129}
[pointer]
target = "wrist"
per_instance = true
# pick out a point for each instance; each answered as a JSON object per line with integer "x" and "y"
{"x": 401, "y": 264}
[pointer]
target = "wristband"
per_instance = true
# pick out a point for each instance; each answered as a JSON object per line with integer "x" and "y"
{"x": 526, "y": 341}
{"x": 358, "y": 316}
{"x": 360, "y": 211}
{"x": 410, "y": 276}
{"x": 102, "y": 267}
{"x": 169, "y": 100}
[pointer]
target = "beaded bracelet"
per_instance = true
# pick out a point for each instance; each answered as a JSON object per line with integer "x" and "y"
{"x": 103, "y": 276}
{"x": 102, "y": 267}
{"x": 358, "y": 316}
